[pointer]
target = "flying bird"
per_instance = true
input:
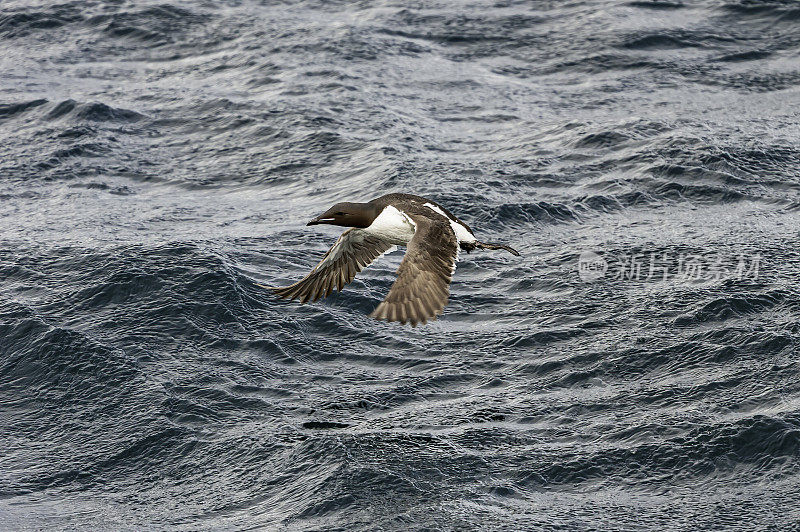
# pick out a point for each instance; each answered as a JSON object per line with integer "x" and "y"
{"x": 432, "y": 234}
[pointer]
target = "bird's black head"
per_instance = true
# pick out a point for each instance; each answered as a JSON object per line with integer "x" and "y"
{"x": 347, "y": 215}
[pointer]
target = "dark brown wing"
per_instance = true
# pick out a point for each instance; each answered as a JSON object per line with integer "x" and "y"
{"x": 423, "y": 278}
{"x": 354, "y": 251}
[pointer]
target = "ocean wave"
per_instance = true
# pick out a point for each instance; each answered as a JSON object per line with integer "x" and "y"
{"x": 92, "y": 111}
{"x": 159, "y": 160}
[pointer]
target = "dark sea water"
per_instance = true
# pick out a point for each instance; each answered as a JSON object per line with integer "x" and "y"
{"x": 157, "y": 159}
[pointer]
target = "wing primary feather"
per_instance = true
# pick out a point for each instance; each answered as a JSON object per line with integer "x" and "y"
{"x": 421, "y": 290}
{"x": 352, "y": 252}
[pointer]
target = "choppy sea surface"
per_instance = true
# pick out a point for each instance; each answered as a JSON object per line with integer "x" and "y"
{"x": 636, "y": 369}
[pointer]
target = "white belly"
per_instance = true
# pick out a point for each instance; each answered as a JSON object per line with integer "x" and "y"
{"x": 393, "y": 226}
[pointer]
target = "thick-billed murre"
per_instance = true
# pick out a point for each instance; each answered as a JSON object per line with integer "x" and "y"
{"x": 432, "y": 234}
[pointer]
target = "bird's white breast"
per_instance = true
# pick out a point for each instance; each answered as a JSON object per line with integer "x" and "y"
{"x": 393, "y": 226}
{"x": 462, "y": 234}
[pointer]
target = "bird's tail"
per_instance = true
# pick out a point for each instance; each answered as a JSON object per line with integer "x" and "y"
{"x": 489, "y": 245}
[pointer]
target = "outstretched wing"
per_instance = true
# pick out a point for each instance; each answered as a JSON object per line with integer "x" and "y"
{"x": 423, "y": 278}
{"x": 354, "y": 251}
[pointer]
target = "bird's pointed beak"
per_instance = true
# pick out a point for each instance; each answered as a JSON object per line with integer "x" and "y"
{"x": 321, "y": 220}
